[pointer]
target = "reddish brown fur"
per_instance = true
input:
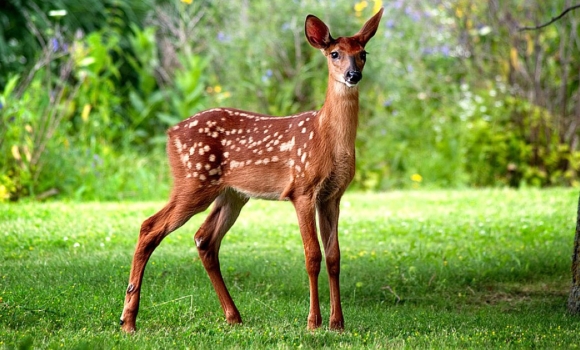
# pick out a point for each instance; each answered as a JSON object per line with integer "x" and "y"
{"x": 226, "y": 156}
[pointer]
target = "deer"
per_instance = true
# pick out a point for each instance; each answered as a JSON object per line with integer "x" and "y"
{"x": 226, "y": 156}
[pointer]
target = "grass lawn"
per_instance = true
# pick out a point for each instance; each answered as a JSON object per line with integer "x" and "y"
{"x": 441, "y": 269}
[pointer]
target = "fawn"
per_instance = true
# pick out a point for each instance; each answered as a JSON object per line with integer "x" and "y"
{"x": 226, "y": 156}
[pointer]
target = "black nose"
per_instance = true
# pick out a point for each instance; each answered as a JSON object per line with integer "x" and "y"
{"x": 353, "y": 76}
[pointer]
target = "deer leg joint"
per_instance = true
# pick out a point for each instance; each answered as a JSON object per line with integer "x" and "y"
{"x": 130, "y": 288}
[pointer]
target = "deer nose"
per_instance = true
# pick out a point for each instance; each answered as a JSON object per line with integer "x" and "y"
{"x": 353, "y": 76}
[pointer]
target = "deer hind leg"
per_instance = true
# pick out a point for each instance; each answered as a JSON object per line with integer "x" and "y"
{"x": 328, "y": 219}
{"x": 182, "y": 206}
{"x": 208, "y": 238}
{"x": 307, "y": 221}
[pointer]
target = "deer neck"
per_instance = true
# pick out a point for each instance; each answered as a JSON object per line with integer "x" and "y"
{"x": 338, "y": 118}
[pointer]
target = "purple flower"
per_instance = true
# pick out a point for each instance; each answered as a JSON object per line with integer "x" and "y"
{"x": 55, "y": 46}
{"x": 267, "y": 75}
{"x": 427, "y": 51}
{"x": 388, "y": 103}
{"x": 97, "y": 161}
{"x": 223, "y": 37}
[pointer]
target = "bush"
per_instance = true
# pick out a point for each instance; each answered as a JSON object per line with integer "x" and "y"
{"x": 444, "y": 102}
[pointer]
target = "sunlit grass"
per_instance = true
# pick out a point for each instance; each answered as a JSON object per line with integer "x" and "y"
{"x": 474, "y": 268}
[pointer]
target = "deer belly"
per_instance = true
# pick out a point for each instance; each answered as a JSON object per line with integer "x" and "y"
{"x": 264, "y": 181}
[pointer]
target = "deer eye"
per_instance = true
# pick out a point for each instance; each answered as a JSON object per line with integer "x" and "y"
{"x": 363, "y": 55}
{"x": 334, "y": 55}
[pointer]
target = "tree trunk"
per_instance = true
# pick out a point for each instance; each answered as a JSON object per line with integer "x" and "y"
{"x": 574, "y": 299}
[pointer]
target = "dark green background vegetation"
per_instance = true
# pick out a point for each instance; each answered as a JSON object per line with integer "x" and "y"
{"x": 453, "y": 94}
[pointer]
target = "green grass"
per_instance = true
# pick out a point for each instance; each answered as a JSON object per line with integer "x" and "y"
{"x": 440, "y": 269}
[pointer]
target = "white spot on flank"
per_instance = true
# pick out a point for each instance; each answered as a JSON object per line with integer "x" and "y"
{"x": 198, "y": 166}
{"x": 311, "y": 135}
{"x": 235, "y": 164}
{"x": 212, "y": 158}
{"x": 275, "y": 159}
{"x": 206, "y": 148}
{"x": 226, "y": 154}
{"x": 207, "y": 167}
{"x": 303, "y": 159}
{"x": 304, "y": 130}
{"x": 301, "y": 123}
{"x": 177, "y": 143}
{"x": 202, "y": 177}
{"x": 287, "y": 146}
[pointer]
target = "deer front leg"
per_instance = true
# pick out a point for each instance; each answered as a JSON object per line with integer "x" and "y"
{"x": 208, "y": 239}
{"x": 328, "y": 219}
{"x": 307, "y": 221}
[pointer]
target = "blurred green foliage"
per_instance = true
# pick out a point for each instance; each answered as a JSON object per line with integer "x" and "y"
{"x": 453, "y": 94}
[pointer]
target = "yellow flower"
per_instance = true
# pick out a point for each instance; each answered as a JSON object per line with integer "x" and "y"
{"x": 359, "y": 6}
{"x": 187, "y": 1}
{"x": 378, "y": 5}
{"x": 85, "y": 112}
{"x": 4, "y": 195}
{"x": 416, "y": 178}
{"x": 217, "y": 89}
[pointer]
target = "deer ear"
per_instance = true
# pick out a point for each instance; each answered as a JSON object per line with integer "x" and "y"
{"x": 317, "y": 32}
{"x": 370, "y": 28}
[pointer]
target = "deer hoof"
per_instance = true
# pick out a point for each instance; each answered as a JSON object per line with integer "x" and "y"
{"x": 336, "y": 325}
